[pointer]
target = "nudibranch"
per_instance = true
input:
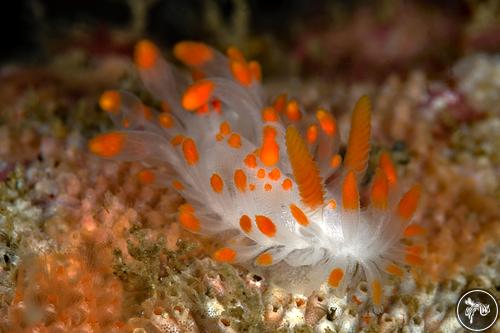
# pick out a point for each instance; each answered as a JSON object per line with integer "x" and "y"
{"x": 268, "y": 174}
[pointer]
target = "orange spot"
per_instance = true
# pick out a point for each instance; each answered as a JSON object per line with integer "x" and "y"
{"x": 274, "y": 174}
{"x": 312, "y": 134}
{"x": 110, "y": 101}
{"x": 177, "y": 140}
{"x": 261, "y": 173}
{"x": 327, "y": 122}
{"x": 107, "y": 145}
{"x": 304, "y": 169}
{"x": 240, "y": 180}
{"x": 287, "y": 184}
{"x": 299, "y": 215}
{"x": 234, "y": 140}
{"x": 146, "y": 54}
{"x": 332, "y": 204}
{"x": 413, "y": 260}
{"x": 414, "y": 230}
{"x": 250, "y": 161}
{"x": 225, "y": 254}
{"x": 292, "y": 110}
{"x": 414, "y": 249}
{"x": 264, "y": 259}
{"x": 177, "y": 185}
{"x": 246, "y": 223}
{"x": 335, "y": 161}
{"x": 146, "y": 177}
{"x": 255, "y": 70}
{"x": 269, "y": 152}
{"x": 335, "y": 277}
{"x": 268, "y": 187}
{"x": 269, "y": 114}
{"x": 358, "y": 146}
{"x": 219, "y": 137}
{"x": 380, "y": 190}
{"x": 165, "y": 120}
{"x": 251, "y": 187}
{"x": 376, "y": 292}
{"x": 241, "y": 72}
{"x": 126, "y": 123}
{"x": 197, "y": 94}
{"x": 234, "y": 53}
{"x": 193, "y": 53}
{"x": 350, "y": 195}
{"x": 394, "y": 270}
{"x": 408, "y": 203}
{"x": 280, "y": 103}
{"x": 187, "y": 218}
{"x": 190, "y": 151}
{"x": 265, "y": 225}
{"x": 224, "y": 128}
{"x": 216, "y": 183}
{"x": 385, "y": 163}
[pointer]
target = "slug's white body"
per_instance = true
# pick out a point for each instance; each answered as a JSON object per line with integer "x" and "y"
{"x": 244, "y": 174}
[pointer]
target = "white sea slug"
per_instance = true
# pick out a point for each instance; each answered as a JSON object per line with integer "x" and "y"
{"x": 247, "y": 173}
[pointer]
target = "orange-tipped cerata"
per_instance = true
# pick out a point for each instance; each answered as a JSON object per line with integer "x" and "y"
{"x": 110, "y": 101}
{"x": 107, "y": 145}
{"x": 193, "y": 53}
{"x": 305, "y": 170}
{"x": 350, "y": 194}
{"x": 409, "y": 202}
{"x": 358, "y": 146}
{"x": 385, "y": 163}
{"x": 197, "y": 94}
{"x": 146, "y": 54}
{"x": 380, "y": 190}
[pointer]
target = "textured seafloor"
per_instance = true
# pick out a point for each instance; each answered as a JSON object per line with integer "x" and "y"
{"x": 84, "y": 247}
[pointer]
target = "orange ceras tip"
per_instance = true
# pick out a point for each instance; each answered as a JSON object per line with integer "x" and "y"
{"x": 217, "y": 183}
{"x": 241, "y": 72}
{"x": 335, "y": 161}
{"x": 107, "y": 145}
{"x": 414, "y": 230}
{"x": 385, "y": 163}
{"x": 287, "y": 184}
{"x": 269, "y": 114}
{"x": 193, "y": 53}
{"x": 312, "y": 134}
{"x": 240, "y": 180}
{"x": 146, "y": 54}
{"x": 234, "y": 53}
{"x": 166, "y": 120}
{"x": 225, "y": 254}
{"x": 350, "y": 194}
{"x": 187, "y": 218}
{"x": 264, "y": 259}
{"x": 358, "y": 146}
{"x": 190, "y": 151}
{"x": 255, "y": 70}
{"x": 280, "y": 103}
{"x": 265, "y": 225}
{"x": 335, "y": 277}
{"x": 197, "y": 94}
{"x": 110, "y": 101}
{"x": 409, "y": 202}
{"x": 380, "y": 190}
{"x": 146, "y": 177}
{"x": 292, "y": 110}
{"x": 234, "y": 140}
{"x": 327, "y": 122}
{"x": 245, "y": 223}
{"x": 299, "y": 215}
{"x": 274, "y": 174}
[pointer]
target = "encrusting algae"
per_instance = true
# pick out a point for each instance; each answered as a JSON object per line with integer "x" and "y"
{"x": 96, "y": 246}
